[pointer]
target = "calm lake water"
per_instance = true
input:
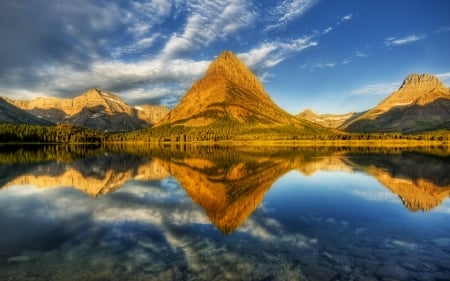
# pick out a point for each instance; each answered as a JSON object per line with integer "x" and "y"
{"x": 221, "y": 213}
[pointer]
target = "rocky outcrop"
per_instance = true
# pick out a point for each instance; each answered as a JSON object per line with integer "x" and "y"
{"x": 422, "y": 103}
{"x": 229, "y": 90}
{"x": 95, "y": 109}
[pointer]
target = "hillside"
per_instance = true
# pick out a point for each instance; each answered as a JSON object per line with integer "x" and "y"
{"x": 12, "y": 115}
{"x": 326, "y": 120}
{"x": 422, "y": 103}
{"x": 95, "y": 109}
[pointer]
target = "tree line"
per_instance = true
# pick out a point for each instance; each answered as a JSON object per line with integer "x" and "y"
{"x": 216, "y": 132}
{"x": 48, "y": 134}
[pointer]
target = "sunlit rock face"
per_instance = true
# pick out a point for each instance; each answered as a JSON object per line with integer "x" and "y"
{"x": 95, "y": 109}
{"x": 421, "y": 103}
{"x": 326, "y": 120}
{"x": 229, "y": 90}
{"x": 151, "y": 113}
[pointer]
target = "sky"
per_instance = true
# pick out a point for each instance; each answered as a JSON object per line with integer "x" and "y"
{"x": 330, "y": 56}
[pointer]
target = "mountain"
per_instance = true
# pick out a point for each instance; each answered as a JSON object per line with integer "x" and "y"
{"x": 95, "y": 109}
{"x": 14, "y": 115}
{"x": 422, "y": 103}
{"x": 326, "y": 120}
{"x": 229, "y": 92}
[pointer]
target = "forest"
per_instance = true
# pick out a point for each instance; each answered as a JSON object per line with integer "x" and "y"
{"x": 215, "y": 133}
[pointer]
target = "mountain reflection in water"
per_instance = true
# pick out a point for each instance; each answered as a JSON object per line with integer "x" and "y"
{"x": 229, "y": 183}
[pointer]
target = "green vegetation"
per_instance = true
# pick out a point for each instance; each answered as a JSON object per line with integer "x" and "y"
{"x": 224, "y": 129}
{"x": 48, "y": 134}
{"x": 221, "y": 131}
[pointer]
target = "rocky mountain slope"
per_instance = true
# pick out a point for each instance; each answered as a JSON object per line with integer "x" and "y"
{"x": 326, "y": 120}
{"x": 229, "y": 91}
{"x": 422, "y": 103}
{"x": 95, "y": 109}
{"x": 14, "y": 115}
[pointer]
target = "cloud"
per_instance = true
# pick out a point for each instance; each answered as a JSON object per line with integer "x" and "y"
{"x": 393, "y": 41}
{"x": 360, "y": 54}
{"x": 327, "y": 30}
{"x": 346, "y": 61}
{"x": 381, "y": 89}
{"x": 270, "y": 54}
{"x": 118, "y": 76}
{"x": 384, "y": 89}
{"x": 288, "y": 10}
{"x": 207, "y": 22}
{"x": 444, "y": 77}
{"x": 445, "y": 28}
{"x": 63, "y": 33}
{"x": 346, "y": 17}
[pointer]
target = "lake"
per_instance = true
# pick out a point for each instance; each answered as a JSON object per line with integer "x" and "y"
{"x": 223, "y": 213}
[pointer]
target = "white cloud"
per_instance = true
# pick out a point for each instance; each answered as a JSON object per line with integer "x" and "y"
{"x": 288, "y": 10}
{"x": 381, "y": 89}
{"x": 326, "y": 64}
{"x": 384, "y": 89}
{"x": 346, "y": 17}
{"x": 346, "y": 61}
{"x": 140, "y": 80}
{"x": 207, "y": 22}
{"x": 445, "y": 28}
{"x": 444, "y": 77}
{"x": 141, "y": 44}
{"x": 327, "y": 30}
{"x": 360, "y": 54}
{"x": 270, "y": 54}
{"x": 393, "y": 41}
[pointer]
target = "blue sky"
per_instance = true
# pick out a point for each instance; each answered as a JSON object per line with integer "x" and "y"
{"x": 331, "y": 56}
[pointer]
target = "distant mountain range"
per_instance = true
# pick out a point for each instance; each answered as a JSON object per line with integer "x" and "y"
{"x": 95, "y": 109}
{"x": 230, "y": 95}
{"x": 422, "y": 103}
{"x": 326, "y": 120}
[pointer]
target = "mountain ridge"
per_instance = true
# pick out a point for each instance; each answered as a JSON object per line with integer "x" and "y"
{"x": 94, "y": 109}
{"x": 421, "y": 103}
{"x": 327, "y": 120}
{"x": 13, "y": 115}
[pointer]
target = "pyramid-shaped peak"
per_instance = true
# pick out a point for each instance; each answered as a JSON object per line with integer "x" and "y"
{"x": 422, "y": 80}
{"x": 228, "y": 64}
